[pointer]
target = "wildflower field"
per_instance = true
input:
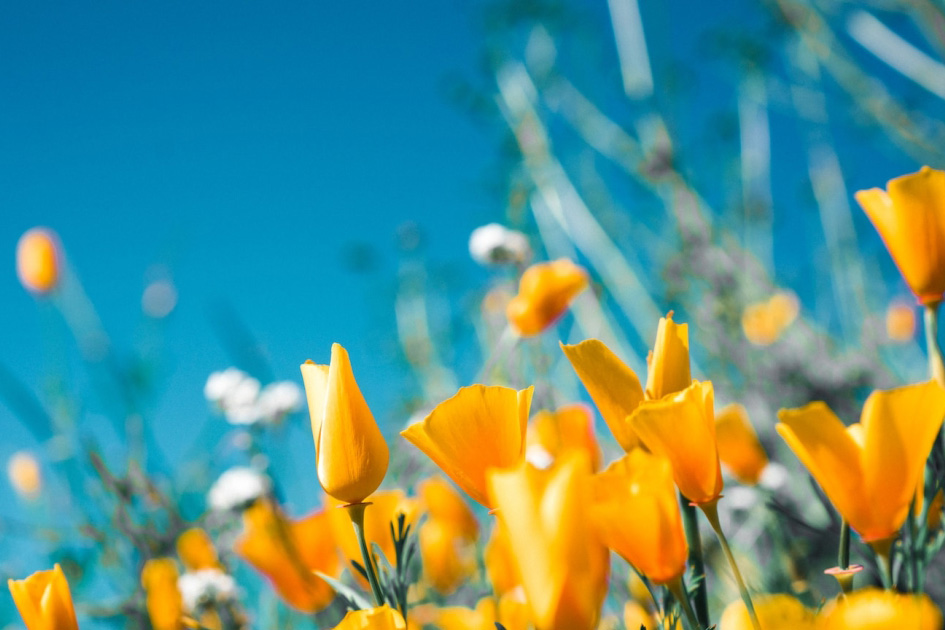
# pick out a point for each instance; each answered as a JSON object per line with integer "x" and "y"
{"x": 690, "y": 374}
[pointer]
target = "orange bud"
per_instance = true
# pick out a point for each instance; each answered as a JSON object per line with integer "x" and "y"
{"x": 38, "y": 260}
{"x": 44, "y": 601}
{"x": 163, "y": 599}
{"x": 544, "y": 294}
{"x": 668, "y": 364}
{"x": 195, "y": 550}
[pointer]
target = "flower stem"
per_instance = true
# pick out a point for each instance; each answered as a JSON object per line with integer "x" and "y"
{"x": 883, "y": 550}
{"x": 936, "y": 363}
{"x": 678, "y": 589}
{"x": 356, "y": 512}
{"x": 843, "y": 555}
{"x": 711, "y": 512}
{"x": 691, "y": 525}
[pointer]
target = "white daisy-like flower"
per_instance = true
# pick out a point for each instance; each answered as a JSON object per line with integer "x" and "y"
{"x": 236, "y": 488}
{"x": 495, "y": 244}
{"x": 220, "y": 384}
{"x": 204, "y": 587}
{"x": 279, "y": 399}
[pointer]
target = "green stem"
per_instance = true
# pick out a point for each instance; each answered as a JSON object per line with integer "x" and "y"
{"x": 883, "y": 549}
{"x": 356, "y": 512}
{"x": 678, "y": 589}
{"x": 691, "y": 525}
{"x": 936, "y": 363}
{"x": 711, "y": 512}
{"x": 914, "y": 547}
{"x": 843, "y": 556}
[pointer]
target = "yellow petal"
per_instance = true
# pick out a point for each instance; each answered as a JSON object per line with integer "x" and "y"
{"x": 195, "y": 550}
{"x": 352, "y": 454}
{"x": 569, "y": 428}
{"x": 613, "y": 386}
{"x": 163, "y": 600}
{"x": 479, "y": 428}
{"x": 681, "y": 428}
{"x": 545, "y": 292}
{"x": 448, "y": 559}
{"x": 443, "y": 503}
{"x": 44, "y": 601}
{"x": 875, "y": 609}
{"x": 775, "y": 612}
{"x": 381, "y": 618}
{"x": 900, "y": 427}
{"x": 668, "y": 367}
{"x": 315, "y": 379}
{"x": 739, "y": 447}
{"x": 831, "y": 455}
{"x": 499, "y": 561}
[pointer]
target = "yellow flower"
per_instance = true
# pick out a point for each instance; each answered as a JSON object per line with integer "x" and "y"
{"x": 910, "y": 217}
{"x": 479, "y": 428}
{"x": 499, "y": 560}
{"x": 870, "y": 470}
{"x": 544, "y": 294}
{"x": 512, "y": 614}
{"x": 350, "y": 451}
{"x": 44, "y": 601}
{"x": 681, "y": 427}
{"x": 562, "y": 566}
{"x": 195, "y": 550}
{"x": 739, "y": 448}
{"x": 764, "y": 322}
{"x": 667, "y": 370}
{"x": 25, "y": 475}
{"x": 569, "y": 428}
{"x": 636, "y": 512}
{"x": 38, "y": 260}
{"x": 636, "y": 616}
{"x": 448, "y": 559}
{"x": 287, "y": 552}
{"x": 875, "y": 609}
{"x": 442, "y": 502}
{"x": 900, "y": 322}
{"x": 163, "y": 600}
{"x": 775, "y": 612}
{"x": 381, "y": 618}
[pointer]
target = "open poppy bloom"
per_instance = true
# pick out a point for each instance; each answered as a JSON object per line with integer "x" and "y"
{"x": 544, "y": 293}
{"x": 561, "y": 563}
{"x": 869, "y": 470}
{"x": 287, "y": 553}
{"x": 44, "y": 601}
{"x": 652, "y": 539}
{"x": 876, "y": 609}
{"x": 479, "y": 428}
{"x": 162, "y": 597}
{"x": 350, "y": 451}
{"x": 910, "y": 217}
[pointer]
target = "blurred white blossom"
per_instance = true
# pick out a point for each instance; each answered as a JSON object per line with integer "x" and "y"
{"x": 244, "y": 401}
{"x": 495, "y": 244}
{"x": 237, "y": 488}
{"x": 199, "y": 588}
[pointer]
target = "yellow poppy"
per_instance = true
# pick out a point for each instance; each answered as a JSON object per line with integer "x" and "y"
{"x": 479, "y": 428}
{"x": 448, "y": 559}
{"x": 162, "y": 597}
{"x": 764, "y": 322}
{"x": 544, "y": 293}
{"x": 681, "y": 427}
{"x": 667, "y": 370}
{"x": 739, "y": 447}
{"x": 499, "y": 560}
{"x": 38, "y": 260}
{"x": 380, "y": 618}
{"x": 652, "y": 540}
{"x": 876, "y": 609}
{"x": 512, "y": 613}
{"x": 569, "y": 428}
{"x": 910, "y": 217}
{"x": 775, "y": 612}
{"x": 440, "y": 500}
{"x": 195, "y": 550}
{"x": 44, "y": 601}
{"x": 287, "y": 553}
{"x": 351, "y": 453}
{"x": 562, "y": 565}
{"x": 870, "y": 470}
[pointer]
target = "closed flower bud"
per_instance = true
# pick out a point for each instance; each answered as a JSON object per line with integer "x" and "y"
{"x": 44, "y": 601}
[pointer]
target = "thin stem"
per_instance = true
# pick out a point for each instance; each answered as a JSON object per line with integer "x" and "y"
{"x": 711, "y": 512}
{"x": 356, "y": 512}
{"x": 914, "y": 548}
{"x": 843, "y": 555}
{"x": 936, "y": 363}
{"x": 691, "y": 525}
{"x": 678, "y": 589}
{"x": 883, "y": 550}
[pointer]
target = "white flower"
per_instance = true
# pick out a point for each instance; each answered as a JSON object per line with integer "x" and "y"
{"x": 774, "y": 476}
{"x": 278, "y": 399}
{"x": 220, "y": 384}
{"x": 237, "y": 488}
{"x": 495, "y": 244}
{"x": 204, "y": 587}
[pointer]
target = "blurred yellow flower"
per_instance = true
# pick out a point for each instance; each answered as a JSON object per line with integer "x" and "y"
{"x": 667, "y": 366}
{"x": 162, "y": 597}
{"x": 636, "y": 616}
{"x": 350, "y": 451}
{"x": 439, "y": 499}
{"x": 479, "y": 428}
{"x": 764, "y": 322}
{"x": 910, "y": 217}
{"x": 38, "y": 260}
{"x": 652, "y": 539}
{"x": 569, "y": 428}
{"x": 681, "y": 427}
{"x": 380, "y": 618}
{"x": 869, "y": 470}
{"x": 775, "y": 612}
{"x": 562, "y": 565}
{"x": 448, "y": 535}
{"x": 876, "y": 609}
{"x": 512, "y": 614}
{"x": 196, "y": 551}
{"x": 499, "y": 560}
{"x": 739, "y": 447}
{"x": 287, "y": 552}
{"x": 44, "y": 601}
{"x": 900, "y": 322}
{"x": 544, "y": 293}
{"x": 25, "y": 475}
